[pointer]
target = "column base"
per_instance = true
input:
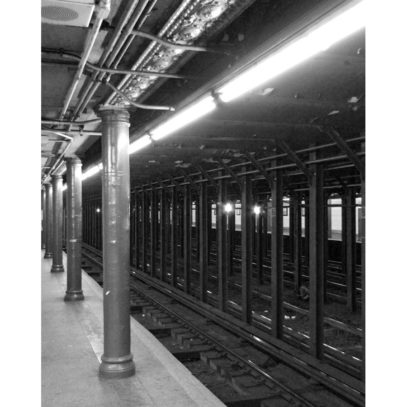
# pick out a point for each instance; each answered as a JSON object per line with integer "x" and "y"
{"x": 57, "y": 268}
{"x": 116, "y": 368}
{"x": 48, "y": 255}
{"x": 74, "y": 296}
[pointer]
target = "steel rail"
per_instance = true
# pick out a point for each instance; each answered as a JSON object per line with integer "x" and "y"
{"x": 347, "y": 389}
{"x": 200, "y": 332}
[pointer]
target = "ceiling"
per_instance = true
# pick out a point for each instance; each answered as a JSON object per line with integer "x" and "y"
{"x": 326, "y": 91}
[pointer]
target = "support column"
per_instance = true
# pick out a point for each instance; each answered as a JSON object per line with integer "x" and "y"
{"x": 187, "y": 238}
{"x": 57, "y": 220}
{"x": 136, "y": 256}
{"x": 153, "y": 231}
{"x": 48, "y": 221}
{"x": 259, "y": 247}
{"x": 221, "y": 243}
{"x": 277, "y": 255}
{"x": 43, "y": 220}
{"x": 117, "y": 360}
{"x": 74, "y": 229}
{"x": 316, "y": 261}
{"x": 349, "y": 243}
{"x": 163, "y": 241}
{"x": 247, "y": 222}
{"x": 174, "y": 236}
{"x": 297, "y": 243}
{"x": 203, "y": 241}
{"x": 144, "y": 219}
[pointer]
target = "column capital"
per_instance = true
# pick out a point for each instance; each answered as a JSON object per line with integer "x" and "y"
{"x": 113, "y": 113}
{"x": 74, "y": 160}
{"x": 56, "y": 177}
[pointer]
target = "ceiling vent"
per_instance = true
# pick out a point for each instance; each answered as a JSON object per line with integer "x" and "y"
{"x": 66, "y": 12}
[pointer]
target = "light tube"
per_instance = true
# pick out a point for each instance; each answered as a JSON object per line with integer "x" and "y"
{"x": 307, "y": 45}
{"x": 184, "y": 117}
{"x": 92, "y": 171}
{"x": 64, "y": 187}
{"x": 139, "y": 144}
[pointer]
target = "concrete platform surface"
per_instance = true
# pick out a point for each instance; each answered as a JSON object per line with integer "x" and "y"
{"x": 72, "y": 343}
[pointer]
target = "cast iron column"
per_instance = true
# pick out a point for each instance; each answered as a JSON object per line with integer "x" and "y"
{"x": 48, "y": 221}
{"x": 74, "y": 229}
{"x": 57, "y": 224}
{"x": 43, "y": 223}
{"x": 117, "y": 360}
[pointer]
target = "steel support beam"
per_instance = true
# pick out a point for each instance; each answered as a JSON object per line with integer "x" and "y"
{"x": 349, "y": 246}
{"x": 174, "y": 236}
{"x": 48, "y": 219}
{"x": 277, "y": 317}
{"x": 221, "y": 245}
{"x": 144, "y": 221}
{"x": 203, "y": 241}
{"x": 136, "y": 256}
{"x": 74, "y": 229}
{"x": 362, "y": 233}
{"x": 342, "y": 144}
{"x": 247, "y": 225}
{"x": 57, "y": 222}
{"x": 117, "y": 360}
{"x": 316, "y": 261}
{"x": 163, "y": 240}
{"x": 259, "y": 246}
{"x": 187, "y": 238}
{"x": 153, "y": 231}
{"x": 297, "y": 237}
{"x": 43, "y": 219}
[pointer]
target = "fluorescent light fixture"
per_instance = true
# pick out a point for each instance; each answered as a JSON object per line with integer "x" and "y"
{"x": 228, "y": 207}
{"x": 257, "y": 210}
{"x": 139, "y": 144}
{"x": 315, "y": 40}
{"x": 92, "y": 171}
{"x": 184, "y": 117}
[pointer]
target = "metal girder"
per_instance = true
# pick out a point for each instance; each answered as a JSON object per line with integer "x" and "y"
{"x": 206, "y": 175}
{"x": 335, "y": 136}
{"x": 260, "y": 167}
{"x": 294, "y": 157}
{"x": 231, "y": 173}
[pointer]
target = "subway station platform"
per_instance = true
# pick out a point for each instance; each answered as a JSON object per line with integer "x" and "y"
{"x": 72, "y": 344}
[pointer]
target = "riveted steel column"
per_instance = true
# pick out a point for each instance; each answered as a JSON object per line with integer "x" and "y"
{"x": 48, "y": 218}
{"x": 74, "y": 229}
{"x": 57, "y": 220}
{"x": 221, "y": 243}
{"x": 163, "y": 241}
{"x": 153, "y": 232}
{"x": 174, "y": 260}
{"x": 247, "y": 225}
{"x": 187, "y": 238}
{"x": 316, "y": 260}
{"x": 144, "y": 220}
{"x": 277, "y": 247}
{"x": 297, "y": 242}
{"x": 43, "y": 220}
{"x": 259, "y": 247}
{"x": 136, "y": 256}
{"x": 117, "y": 360}
{"x": 203, "y": 241}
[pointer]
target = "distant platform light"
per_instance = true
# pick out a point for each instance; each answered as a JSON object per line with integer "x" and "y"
{"x": 228, "y": 207}
{"x": 97, "y": 210}
{"x": 257, "y": 210}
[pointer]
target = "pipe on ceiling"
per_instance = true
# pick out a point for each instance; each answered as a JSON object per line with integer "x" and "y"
{"x": 103, "y": 10}
{"x": 67, "y": 122}
{"x": 152, "y": 45}
{"x": 92, "y": 85}
{"x": 135, "y": 104}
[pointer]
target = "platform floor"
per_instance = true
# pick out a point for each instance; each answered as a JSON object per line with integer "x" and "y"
{"x": 72, "y": 343}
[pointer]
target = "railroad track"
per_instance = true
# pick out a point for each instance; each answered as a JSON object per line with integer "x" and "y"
{"x": 239, "y": 373}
